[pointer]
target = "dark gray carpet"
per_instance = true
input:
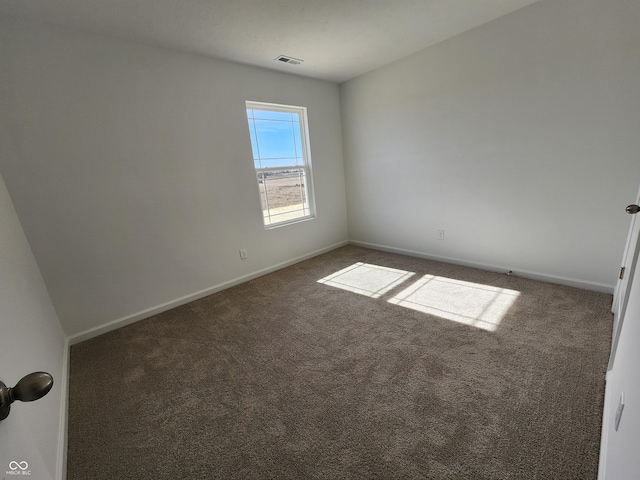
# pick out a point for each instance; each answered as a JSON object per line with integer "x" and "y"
{"x": 284, "y": 377}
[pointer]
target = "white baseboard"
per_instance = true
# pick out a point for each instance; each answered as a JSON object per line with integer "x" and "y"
{"x": 149, "y": 312}
{"x": 572, "y": 282}
{"x": 129, "y": 319}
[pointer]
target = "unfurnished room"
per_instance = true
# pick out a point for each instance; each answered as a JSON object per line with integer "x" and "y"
{"x": 302, "y": 239}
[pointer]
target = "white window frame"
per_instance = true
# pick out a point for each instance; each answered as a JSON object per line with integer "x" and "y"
{"x": 307, "y": 212}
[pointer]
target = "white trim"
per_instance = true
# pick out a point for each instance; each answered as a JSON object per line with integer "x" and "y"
{"x": 625, "y": 253}
{"x": 304, "y": 155}
{"x": 61, "y": 470}
{"x": 149, "y": 312}
{"x": 604, "y": 436}
{"x": 572, "y": 282}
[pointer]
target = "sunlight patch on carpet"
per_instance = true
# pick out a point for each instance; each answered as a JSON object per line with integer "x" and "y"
{"x": 481, "y": 306}
{"x": 367, "y": 279}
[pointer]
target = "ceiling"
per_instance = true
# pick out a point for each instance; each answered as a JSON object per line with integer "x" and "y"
{"x": 337, "y": 39}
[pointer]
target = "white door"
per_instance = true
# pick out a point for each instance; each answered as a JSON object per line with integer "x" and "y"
{"x": 619, "y": 459}
{"x": 621, "y": 293}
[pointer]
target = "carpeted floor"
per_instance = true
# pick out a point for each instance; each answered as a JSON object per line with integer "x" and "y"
{"x": 355, "y": 364}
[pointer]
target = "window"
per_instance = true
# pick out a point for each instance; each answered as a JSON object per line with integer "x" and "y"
{"x": 282, "y": 162}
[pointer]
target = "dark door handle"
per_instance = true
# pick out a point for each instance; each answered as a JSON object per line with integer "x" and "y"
{"x": 632, "y": 209}
{"x": 32, "y": 387}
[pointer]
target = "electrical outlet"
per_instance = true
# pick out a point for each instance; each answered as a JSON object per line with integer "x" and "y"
{"x": 243, "y": 254}
{"x": 440, "y": 234}
{"x": 619, "y": 410}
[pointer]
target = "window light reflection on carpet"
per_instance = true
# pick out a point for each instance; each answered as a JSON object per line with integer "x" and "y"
{"x": 478, "y": 305}
{"x": 481, "y": 306}
{"x": 366, "y": 279}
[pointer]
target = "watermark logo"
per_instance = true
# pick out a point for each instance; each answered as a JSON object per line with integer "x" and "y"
{"x": 18, "y": 468}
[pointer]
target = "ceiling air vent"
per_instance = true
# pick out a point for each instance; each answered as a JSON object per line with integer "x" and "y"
{"x": 290, "y": 60}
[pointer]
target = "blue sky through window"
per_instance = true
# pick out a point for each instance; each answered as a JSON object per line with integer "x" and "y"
{"x": 275, "y": 138}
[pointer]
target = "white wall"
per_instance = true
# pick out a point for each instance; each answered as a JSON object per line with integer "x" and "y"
{"x": 518, "y": 138}
{"x": 31, "y": 339}
{"x": 130, "y": 169}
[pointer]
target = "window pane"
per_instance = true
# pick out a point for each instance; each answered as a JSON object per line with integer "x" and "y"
{"x": 271, "y": 115}
{"x": 284, "y": 195}
{"x": 275, "y": 139}
{"x": 254, "y": 144}
{"x": 280, "y": 157}
{"x": 280, "y": 162}
{"x": 298, "y": 137}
